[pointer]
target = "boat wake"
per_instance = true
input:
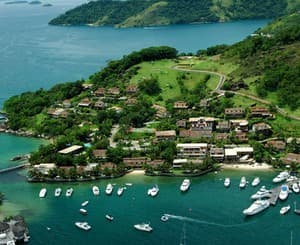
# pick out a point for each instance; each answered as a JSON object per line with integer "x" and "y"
{"x": 188, "y": 219}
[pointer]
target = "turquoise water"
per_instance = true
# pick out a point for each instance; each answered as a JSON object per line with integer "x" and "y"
{"x": 35, "y": 55}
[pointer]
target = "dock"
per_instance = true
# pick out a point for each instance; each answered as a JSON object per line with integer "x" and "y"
{"x": 5, "y": 170}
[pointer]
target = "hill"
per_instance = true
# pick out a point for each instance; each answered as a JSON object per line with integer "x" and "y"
{"x": 154, "y": 12}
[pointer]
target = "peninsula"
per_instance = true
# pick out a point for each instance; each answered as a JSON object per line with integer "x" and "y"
{"x": 171, "y": 114}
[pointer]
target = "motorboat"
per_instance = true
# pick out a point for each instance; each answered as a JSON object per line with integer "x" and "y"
{"x": 96, "y": 190}
{"x": 164, "y": 218}
{"x": 185, "y": 185}
{"x": 255, "y": 182}
{"x": 291, "y": 178}
{"x": 256, "y": 207}
{"x": 285, "y": 209}
{"x": 83, "y": 211}
{"x": 153, "y": 191}
{"x": 69, "y": 192}
{"x": 84, "y": 203}
{"x": 120, "y": 191}
{"x": 57, "y": 192}
{"x": 295, "y": 188}
{"x": 128, "y": 184}
{"x": 284, "y": 192}
{"x": 243, "y": 182}
{"x": 281, "y": 177}
{"x": 83, "y": 225}
{"x": 109, "y": 189}
{"x": 109, "y": 217}
{"x": 227, "y": 182}
{"x": 43, "y": 192}
{"x": 143, "y": 227}
{"x": 261, "y": 193}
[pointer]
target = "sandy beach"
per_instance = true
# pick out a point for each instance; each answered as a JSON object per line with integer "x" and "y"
{"x": 246, "y": 166}
{"x": 135, "y": 172}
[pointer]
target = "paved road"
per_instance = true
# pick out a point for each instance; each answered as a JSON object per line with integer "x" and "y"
{"x": 220, "y": 91}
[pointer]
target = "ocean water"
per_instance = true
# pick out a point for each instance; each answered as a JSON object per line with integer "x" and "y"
{"x": 35, "y": 55}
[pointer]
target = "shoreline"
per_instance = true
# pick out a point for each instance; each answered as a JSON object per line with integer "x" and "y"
{"x": 245, "y": 166}
{"x": 136, "y": 172}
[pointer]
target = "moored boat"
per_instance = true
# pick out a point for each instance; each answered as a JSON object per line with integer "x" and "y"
{"x": 128, "y": 184}
{"x": 83, "y": 225}
{"x": 109, "y": 189}
{"x": 109, "y": 217}
{"x": 83, "y": 211}
{"x": 284, "y": 192}
{"x": 257, "y": 207}
{"x": 281, "y": 177}
{"x": 120, "y": 191}
{"x": 227, "y": 182}
{"x": 261, "y": 193}
{"x": 57, "y": 192}
{"x": 255, "y": 182}
{"x": 143, "y": 227}
{"x": 243, "y": 182}
{"x": 96, "y": 190}
{"x": 69, "y": 192}
{"x": 185, "y": 185}
{"x": 84, "y": 203}
{"x": 285, "y": 209}
{"x": 295, "y": 188}
{"x": 43, "y": 192}
{"x": 153, "y": 191}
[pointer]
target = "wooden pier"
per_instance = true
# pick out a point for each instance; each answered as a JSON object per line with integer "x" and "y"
{"x": 5, "y": 170}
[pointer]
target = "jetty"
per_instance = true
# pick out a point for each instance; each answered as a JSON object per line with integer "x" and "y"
{"x": 5, "y": 170}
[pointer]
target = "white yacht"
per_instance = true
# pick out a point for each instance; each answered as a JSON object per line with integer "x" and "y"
{"x": 185, "y": 185}
{"x": 120, "y": 191}
{"x": 255, "y": 182}
{"x": 291, "y": 178}
{"x": 96, "y": 190}
{"x": 295, "y": 188}
{"x": 256, "y": 207}
{"x": 281, "y": 177}
{"x": 284, "y": 192}
{"x": 285, "y": 209}
{"x": 143, "y": 227}
{"x": 153, "y": 191}
{"x": 261, "y": 193}
{"x": 227, "y": 182}
{"x": 43, "y": 192}
{"x": 243, "y": 182}
{"x": 83, "y": 211}
{"x": 109, "y": 217}
{"x": 109, "y": 189}
{"x": 69, "y": 192}
{"x": 84, "y": 203}
{"x": 128, "y": 184}
{"x": 83, "y": 225}
{"x": 57, "y": 192}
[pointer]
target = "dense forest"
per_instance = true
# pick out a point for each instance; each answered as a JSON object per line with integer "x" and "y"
{"x": 155, "y": 12}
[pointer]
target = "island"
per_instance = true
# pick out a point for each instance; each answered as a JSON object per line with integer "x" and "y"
{"x": 139, "y": 13}
{"x": 171, "y": 114}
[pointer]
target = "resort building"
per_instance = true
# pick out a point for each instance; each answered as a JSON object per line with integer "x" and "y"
{"x": 180, "y": 105}
{"x": 113, "y": 91}
{"x": 181, "y": 123}
{"x": 100, "y": 104}
{"x": 276, "y": 144}
{"x": 74, "y": 149}
{"x": 161, "y": 112}
{"x": 239, "y": 124}
{"x": 177, "y": 163}
{"x": 223, "y": 127}
{"x": 192, "y": 150}
{"x": 201, "y": 123}
{"x": 234, "y": 112}
{"x": 260, "y": 112}
{"x": 44, "y": 168}
{"x": 135, "y": 162}
{"x": 100, "y": 92}
{"x": 262, "y": 128}
{"x": 238, "y": 153}
{"x": 131, "y": 89}
{"x": 165, "y": 135}
{"x": 217, "y": 154}
{"x": 85, "y": 102}
{"x": 99, "y": 154}
{"x": 290, "y": 158}
{"x": 57, "y": 113}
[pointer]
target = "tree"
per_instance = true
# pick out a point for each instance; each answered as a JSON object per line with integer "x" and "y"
{"x": 150, "y": 86}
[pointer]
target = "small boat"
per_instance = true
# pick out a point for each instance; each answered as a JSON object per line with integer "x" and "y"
{"x": 84, "y": 203}
{"x": 143, "y": 227}
{"x": 109, "y": 189}
{"x": 295, "y": 188}
{"x": 96, "y": 190}
{"x": 57, "y": 192}
{"x": 164, "y": 218}
{"x": 291, "y": 178}
{"x": 256, "y": 207}
{"x": 285, "y": 209}
{"x": 261, "y": 193}
{"x": 281, "y": 177}
{"x": 284, "y": 192}
{"x": 153, "y": 191}
{"x": 255, "y": 182}
{"x": 227, "y": 182}
{"x": 83, "y": 225}
{"x": 83, "y": 211}
{"x": 128, "y": 184}
{"x": 69, "y": 192}
{"x": 185, "y": 185}
{"x": 243, "y": 182}
{"x": 109, "y": 217}
{"x": 43, "y": 192}
{"x": 120, "y": 191}
{"x": 296, "y": 211}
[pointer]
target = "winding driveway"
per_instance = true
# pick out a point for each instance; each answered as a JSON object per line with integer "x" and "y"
{"x": 222, "y": 79}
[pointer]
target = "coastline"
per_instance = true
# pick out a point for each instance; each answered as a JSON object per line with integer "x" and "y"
{"x": 245, "y": 166}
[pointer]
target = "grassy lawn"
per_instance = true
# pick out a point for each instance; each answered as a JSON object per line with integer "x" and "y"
{"x": 214, "y": 65}
{"x": 240, "y": 101}
{"x": 288, "y": 126}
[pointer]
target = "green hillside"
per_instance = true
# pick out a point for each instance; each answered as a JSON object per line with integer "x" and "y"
{"x": 155, "y": 12}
